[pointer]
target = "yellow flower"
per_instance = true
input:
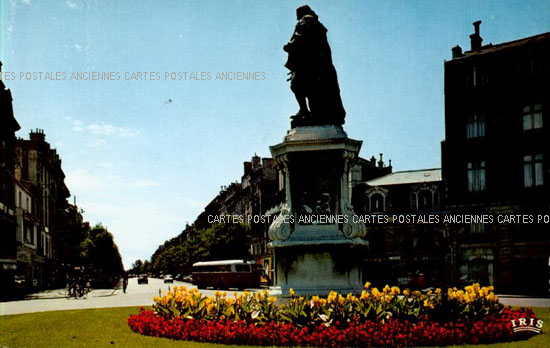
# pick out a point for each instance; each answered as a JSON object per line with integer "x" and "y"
{"x": 386, "y": 289}
{"x": 406, "y": 292}
{"x": 291, "y": 292}
{"x": 395, "y": 290}
{"x": 272, "y": 299}
{"x": 323, "y": 302}
{"x": 364, "y": 295}
{"x": 376, "y": 293}
{"x": 438, "y": 291}
{"x": 341, "y": 299}
{"x": 367, "y": 285}
{"x": 315, "y": 300}
{"x": 332, "y": 296}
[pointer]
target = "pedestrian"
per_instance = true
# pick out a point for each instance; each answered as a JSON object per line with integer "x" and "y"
{"x": 124, "y": 283}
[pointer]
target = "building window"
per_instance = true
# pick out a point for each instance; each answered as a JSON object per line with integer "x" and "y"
{"x": 436, "y": 198}
{"x": 414, "y": 206}
{"x": 425, "y": 200}
{"x": 476, "y": 176}
{"x": 533, "y": 174}
{"x": 477, "y": 228}
{"x": 377, "y": 203}
{"x": 475, "y": 126}
{"x": 532, "y": 117}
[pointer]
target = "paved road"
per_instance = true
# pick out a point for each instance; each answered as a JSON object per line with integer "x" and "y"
{"x": 142, "y": 295}
{"x": 52, "y": 300}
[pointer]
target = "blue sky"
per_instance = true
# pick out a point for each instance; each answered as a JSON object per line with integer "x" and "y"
{"x": 144, "y": 167}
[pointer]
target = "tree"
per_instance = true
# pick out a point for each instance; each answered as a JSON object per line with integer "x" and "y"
{"x": 136, "y": 267}
{"x": 219, "y": 242}
{"x": 101, "y": 256}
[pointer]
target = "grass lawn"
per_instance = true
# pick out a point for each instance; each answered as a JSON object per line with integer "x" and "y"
{"x": 106, "y": 327}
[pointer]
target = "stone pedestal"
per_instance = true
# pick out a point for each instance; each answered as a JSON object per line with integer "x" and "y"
{"x": 318, "y": 247}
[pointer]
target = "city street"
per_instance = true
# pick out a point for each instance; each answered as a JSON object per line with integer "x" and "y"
{"x": 142, "y": 295}
{"x": 53, "y": 300}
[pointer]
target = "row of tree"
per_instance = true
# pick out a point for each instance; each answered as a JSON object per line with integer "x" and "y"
{"x": 177, "y": 255}
{"x": 96, "y": 255}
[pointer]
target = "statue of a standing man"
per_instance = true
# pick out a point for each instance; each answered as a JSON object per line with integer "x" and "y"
{"x": 313, "y": 77}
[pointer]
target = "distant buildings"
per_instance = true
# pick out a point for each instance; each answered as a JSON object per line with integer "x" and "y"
{"x": 495, "y": 160}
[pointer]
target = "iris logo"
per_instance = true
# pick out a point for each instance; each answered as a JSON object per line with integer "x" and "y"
{"x": 526, "y": 324}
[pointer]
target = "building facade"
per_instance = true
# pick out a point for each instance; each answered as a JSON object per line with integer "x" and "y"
{"x": 495, "y": 160}
{"x": 42, "y": 203}
{"x": 8, "y": 220}
{"x": 407, "y": 245}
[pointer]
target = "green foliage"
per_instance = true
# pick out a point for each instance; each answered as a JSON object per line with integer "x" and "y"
{"x": 100, "y": 253}
{"x": 219, "y": 242}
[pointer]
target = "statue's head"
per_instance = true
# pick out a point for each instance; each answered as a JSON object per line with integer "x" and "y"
{"x": 304, "y": 10}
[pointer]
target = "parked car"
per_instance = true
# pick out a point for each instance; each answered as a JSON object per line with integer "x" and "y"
{"x": 188, "y": 278}
{"x": 143, "y": 279}
{"x": 168, "y": 278}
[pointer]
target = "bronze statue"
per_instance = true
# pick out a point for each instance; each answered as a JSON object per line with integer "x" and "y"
{"x": 312, "y": 75}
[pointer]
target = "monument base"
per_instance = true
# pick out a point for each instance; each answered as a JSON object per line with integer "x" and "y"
{"x": 322, "y": 248}
{"x": 318, "y": 270}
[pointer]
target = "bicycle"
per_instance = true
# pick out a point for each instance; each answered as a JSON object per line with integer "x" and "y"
{"x": 77, "y": 288}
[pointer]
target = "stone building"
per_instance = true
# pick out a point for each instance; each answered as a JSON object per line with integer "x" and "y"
{"x": 8, "y": 221}
{"x": 260, "y": 185}
{"x": 32, "y": 247}
{"x": 41, "y": 182}
{"x": 495, "y": 160}
{"x": 403, "y": 249}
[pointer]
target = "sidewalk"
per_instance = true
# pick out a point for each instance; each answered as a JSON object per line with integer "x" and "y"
{"x": 524, "y": 301}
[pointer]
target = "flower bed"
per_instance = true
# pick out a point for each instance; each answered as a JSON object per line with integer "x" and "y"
{"x": 390, "y": 317}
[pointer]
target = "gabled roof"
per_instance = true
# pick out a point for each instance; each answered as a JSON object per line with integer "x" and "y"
{"x": 408, "y": 177}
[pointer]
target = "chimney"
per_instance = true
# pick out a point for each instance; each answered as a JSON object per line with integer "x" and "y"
{"x": 457, "y": 51}
{"x": 38, "y": 135}
{"x": 381, "y": 162}
{"x": 475, "y": 39}
{"x": 247, "y": 168}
